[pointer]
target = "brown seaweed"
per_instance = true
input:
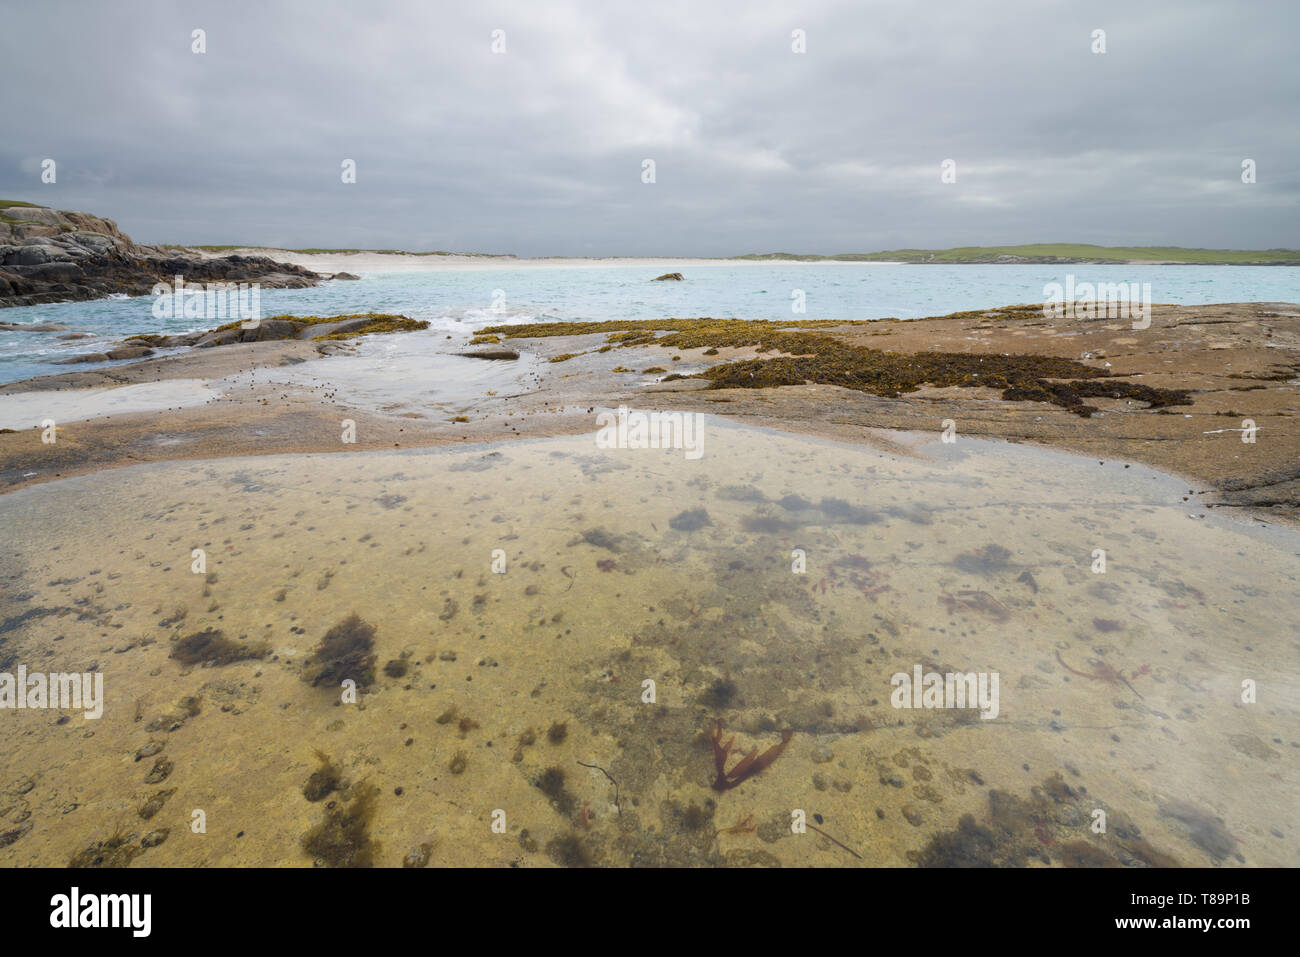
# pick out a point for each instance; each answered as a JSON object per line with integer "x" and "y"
{"x": 748, "y": 766}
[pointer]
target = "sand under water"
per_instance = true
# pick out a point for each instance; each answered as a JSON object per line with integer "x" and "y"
{"x": 503, "y": 718}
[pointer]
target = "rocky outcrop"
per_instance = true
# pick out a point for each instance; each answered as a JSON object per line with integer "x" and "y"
{"x": 490, "y": 354}
{"x": 49, "y": 255}
{"x": 277, "y": 329}
{"x": 669, "y": 277}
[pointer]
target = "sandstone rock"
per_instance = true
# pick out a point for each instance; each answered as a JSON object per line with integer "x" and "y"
{"x": 669, "y": 276}
{"x": 345, "y": 275}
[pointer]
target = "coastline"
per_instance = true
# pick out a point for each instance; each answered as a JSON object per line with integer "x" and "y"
{"x": 1239, "y": 362}
{"x": 372, "y": 261}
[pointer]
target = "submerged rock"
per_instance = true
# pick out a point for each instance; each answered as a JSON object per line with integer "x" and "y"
{"x": 490, "y": 354}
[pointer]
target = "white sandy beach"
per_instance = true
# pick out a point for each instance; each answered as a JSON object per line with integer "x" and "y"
{"x": 369, "y": 261}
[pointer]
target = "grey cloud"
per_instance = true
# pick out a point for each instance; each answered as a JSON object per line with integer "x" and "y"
{"x": 538, "y": 151}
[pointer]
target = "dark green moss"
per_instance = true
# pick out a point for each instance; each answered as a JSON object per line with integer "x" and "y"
{"x": 557, "y": 732}
{"x": 212, "y": 646}
{"x": 396, "y": 668}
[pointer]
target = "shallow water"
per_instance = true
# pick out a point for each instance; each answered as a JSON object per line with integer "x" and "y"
{"x": 458, "y": 301}
{"x": 975, "y": 557}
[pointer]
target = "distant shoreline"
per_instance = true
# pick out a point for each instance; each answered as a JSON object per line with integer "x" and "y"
{"x": 387, "y": 260}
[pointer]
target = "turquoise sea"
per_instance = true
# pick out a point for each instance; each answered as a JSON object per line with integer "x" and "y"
{"x": 461, "y": 300}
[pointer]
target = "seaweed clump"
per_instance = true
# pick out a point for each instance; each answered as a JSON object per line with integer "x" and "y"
{"x": 325, "y": 780}
{"x": 748, "y": 766}
{"x": 720, "y": 694}
{"x": 691, "y": 520}
{"x": 117, "y": 850}
{"x": 212, "y": 646}
{"x": 567, "y": 851}
{"x": 342, "y": 838}
{"x": 380, "y": 323}
{"x": 1051, "y": 824}
{"x": 983, "y": 561}
{"x": 345, "y": 652}
{"x": 803, "y": 354}
{"x": 551, "y": 783}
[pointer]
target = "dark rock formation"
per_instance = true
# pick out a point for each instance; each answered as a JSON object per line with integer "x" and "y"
{"x": 490, "y": 354}
{"x": 275, "y": 329}
{"x": 672, "y": 276}
{"x": 49, "y": 255}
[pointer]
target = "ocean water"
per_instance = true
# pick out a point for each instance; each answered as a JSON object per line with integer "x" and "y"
{"x": 648, "y": 617}
{"x": 456, "y": 301}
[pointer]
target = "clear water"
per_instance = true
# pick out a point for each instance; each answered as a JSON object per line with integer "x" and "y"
{"x": 524, "y": 697}
{"x": 461, "y": 300}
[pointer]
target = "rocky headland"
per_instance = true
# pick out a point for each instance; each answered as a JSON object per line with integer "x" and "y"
{"x": 49, "y": 255}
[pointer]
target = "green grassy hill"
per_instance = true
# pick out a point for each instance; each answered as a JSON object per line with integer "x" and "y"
{"x": 1059, "y": 253}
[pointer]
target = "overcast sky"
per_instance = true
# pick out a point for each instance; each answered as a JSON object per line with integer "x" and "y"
{"x": 539, "y": 150}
